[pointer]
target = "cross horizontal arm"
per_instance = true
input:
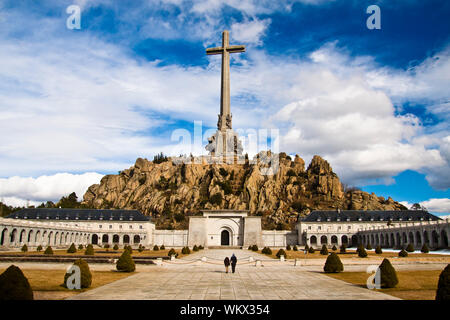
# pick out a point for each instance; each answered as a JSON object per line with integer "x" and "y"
{"x": 232, "y": 49}
{"x": 216, "y": 50}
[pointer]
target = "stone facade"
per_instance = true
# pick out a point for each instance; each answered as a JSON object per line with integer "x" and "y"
{"x": 234, "y": 228}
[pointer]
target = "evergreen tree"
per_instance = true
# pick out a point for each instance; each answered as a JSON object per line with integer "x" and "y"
{"x": 311, "y": 250}
{"x": 378, "y": 250}
{"x": 89, "y": 250}
{"x": 14, "y": 285}
{"x": 333, "y": 264}
{"x": 403, "y": 253}
{"x": 49, "y": 250}
{"x": 342, "y": 249}
{"x": 362, "y": 253}
{"x": 39, "y": 248}
{"x": 24, "y": 248}
{"x": 388, "y": 274}
{"x": 295, "y": 248}
{"x": 86, "y": 276}
{"x": 324, "y": 250}
{"x": 155, "y": 248}
{"x": 425, "y": 248}
{"x": 72, "y": 248}
{"x": 443, "y": 290}
{"x": 410, "y": 248}
{"x": 126, "y": 262}
{"x": 280, "y": 253}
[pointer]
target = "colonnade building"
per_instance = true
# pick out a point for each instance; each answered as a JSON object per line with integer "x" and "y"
{"x": 217, "y": 228}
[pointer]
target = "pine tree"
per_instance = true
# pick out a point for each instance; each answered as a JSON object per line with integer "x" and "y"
{"x": 72, "y": 248}
{"x": 24, "y": 248}
{"x": 324, "y": 250}
{"x": 126, "y": 262}
{"x": 49, "y": 250}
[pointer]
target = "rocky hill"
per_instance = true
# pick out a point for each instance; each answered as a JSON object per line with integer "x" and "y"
{"x": 169, "y": 191}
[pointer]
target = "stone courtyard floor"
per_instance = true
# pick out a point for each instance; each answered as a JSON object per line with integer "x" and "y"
{"x": 188, "y": 279}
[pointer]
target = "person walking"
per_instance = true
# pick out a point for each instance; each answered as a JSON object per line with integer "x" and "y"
{"x": 226, "y": 262}
{"x": 233, "y": 263}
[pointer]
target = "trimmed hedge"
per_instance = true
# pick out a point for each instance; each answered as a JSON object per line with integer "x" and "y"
{"x": 254, "y": 247}
{"x": 86, "y": 276}
{"x": 195, "y": 248}
{"x": 89, "y": 250}
{"x": 266, "y": 250}
{"x": 14, "y": 285}
{"x": 126, "y": 262}
{"x": 72, "y": 248}
{"x": 186, "y": 250}
{"x": 324, "y": 250}
{"x": 333, "y": 264}
{"x": 388, "y": 274}
{"x": 49, "y": 250}
{"x": 403, "y": 253}
{"x": 280, "y": 253}
{"x": 443, "y": 289}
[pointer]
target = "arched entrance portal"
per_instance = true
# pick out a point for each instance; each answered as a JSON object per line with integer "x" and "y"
{"x": 225, "y": 238}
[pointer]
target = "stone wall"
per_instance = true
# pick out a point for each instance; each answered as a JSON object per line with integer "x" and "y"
{"x": 171, "y": 238}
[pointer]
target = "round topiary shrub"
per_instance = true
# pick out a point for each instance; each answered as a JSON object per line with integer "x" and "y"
{"x": 288, "y": 247}
{"x": 425, "y": 248}
{"x": 443, "y": 289}
{"x": 125, "y": 262}
{"x": 295, "y": 248}
{"x": 49, "y": 250}
{"x": 116, "y": 247}
{"x": 14, "y": 285}
{"x": 72, "y": 248}
{"x": 39, "y": 248}
{"x": 172, "y": 252}
{"x": 86, "y": 276}
{"x": 378, "y": 250}
{"x": 162, "y": 247}
{"x": 343, "y": 249}
{"x": 311, "y": 250}
{"x": 388, "y": 274}
{"x": 403, "y": 253}
{"x": 324, "y": 250}
{"x": 369, "y": 246}
{"x": 80, "y": 247}
{"x": 141, "y": 248}
{"x": 106, "y": 246}
{"x": 254, "y": 247}
{"x": 333, "y": 264}
{"x": 155, "y": 248}
{"x": 334, "y": 248}
{"x": 362, "y": 253}
{"x": 89, "y": 250}
{"x": 280, "y": 253}
{"x": 410, "y": 248}
{"x": 24, "y": 248}
{"x": 195, "y": 248}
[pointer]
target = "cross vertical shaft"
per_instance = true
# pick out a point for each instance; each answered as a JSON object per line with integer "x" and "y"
{"x": 224, "y": 121}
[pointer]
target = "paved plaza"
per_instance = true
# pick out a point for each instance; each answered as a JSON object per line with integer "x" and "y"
{"x": 190, "y": 279}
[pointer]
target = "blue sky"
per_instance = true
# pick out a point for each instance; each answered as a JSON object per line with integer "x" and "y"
{"x": 83, "y": 103}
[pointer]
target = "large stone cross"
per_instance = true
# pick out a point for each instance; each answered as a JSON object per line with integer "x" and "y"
{"x": 224, "y": 122}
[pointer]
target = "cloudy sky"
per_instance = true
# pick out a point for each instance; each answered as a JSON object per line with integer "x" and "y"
{"x": 78, "y": 104}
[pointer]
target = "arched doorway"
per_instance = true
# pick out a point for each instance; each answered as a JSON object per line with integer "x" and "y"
{"x": 323, "y": 240}
{"x": 136, "y": 239}
{"x": 225, "y": 238}
{"x": 116, "y": 238}
{"x": 94, "y": 239}
{"x": 334, "y": 240}
{"x": 105, "y": 238}
{"x": 344, "y": 240}
{"x": 4, "y": 236}
{"x": 126, "y": 239}
{"x": 354, "y": 240}
{"x": 444, "y": 238}
{"x": 313, "y": 240}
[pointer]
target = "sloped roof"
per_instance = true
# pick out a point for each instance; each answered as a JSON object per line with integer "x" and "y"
{"x": 78, "y": 214}
{"x": 366, "y": 215}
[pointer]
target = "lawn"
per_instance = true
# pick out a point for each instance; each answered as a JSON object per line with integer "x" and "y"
{"x": 47, "y": 284}
{"x": 412, "y": 285}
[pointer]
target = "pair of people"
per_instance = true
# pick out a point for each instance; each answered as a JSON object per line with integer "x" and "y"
{"x": 232, "y": 261}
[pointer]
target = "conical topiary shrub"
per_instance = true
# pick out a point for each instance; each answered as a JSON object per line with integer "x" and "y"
{"x": 443, "y": 290}
{"x": 288, "y": 247}
{"x": 254, "y": 247}
{"x": 80, "y": 247}
{"x": 334, "y": 248}
{"x": 295, "y": 248}
{"x": 72, "y": 248}
{"x": 410, "y": 248}
{"x": 324, "y": 250}
{"x": 125, "y": 262}
{"x": 24, "y": 248}
{"x": 172, "y": 252}
{"x": 280, "y": 253}
{"x": 39, "y": 248}
{"x": 403, "y": 253}
{"x": 164, "y": 248}
{"x": 343, "y": 249}
{"x": 49, "y": 250}
{"x": 14, "y": 285}
{"x": 186, "y": 250}
{"x": 378, "y": 250}
{"x": 388, "y": 274}
{"x": 86, "y": 276}
{"x": 362, "y": 253}
{"x": 116, "y": 247}
{"x": 249, "y": 248}
{"x": 425, "y": 248}
{"x": 155, "y": 248}
{"x": 369, "y": 246}
{"x": 89, "y": 250}
{"x": 333, "y": 264}
{"x": 311, "y": 250}
{"x": 195, "y": 248}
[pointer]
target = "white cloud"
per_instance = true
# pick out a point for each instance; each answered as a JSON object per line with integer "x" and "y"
{"x": 249, "y": 31}
{"x": 437, "y": 206}
{"x": 18, "y": 191}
